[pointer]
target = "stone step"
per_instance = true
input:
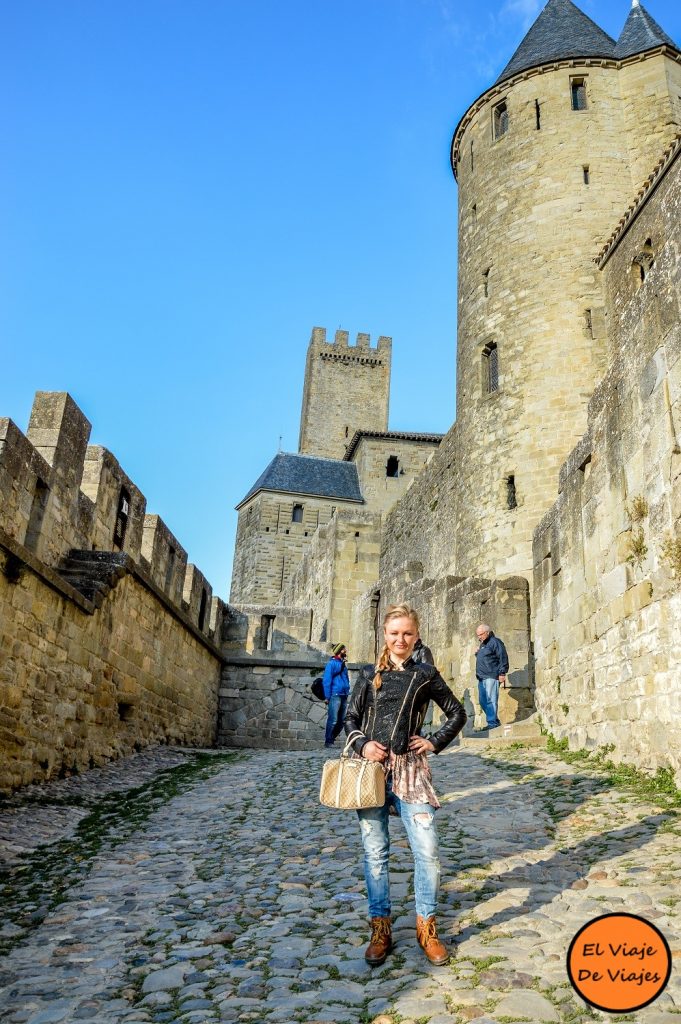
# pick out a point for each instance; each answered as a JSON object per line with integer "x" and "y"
{"x": 93, "y": 573}
{"x": 527, "y": 732}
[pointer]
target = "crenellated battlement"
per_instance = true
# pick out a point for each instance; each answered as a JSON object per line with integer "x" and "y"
{"x": 341, "y": 342}
{"x": 60, "y": 495}
{"x": 347, "y": 387}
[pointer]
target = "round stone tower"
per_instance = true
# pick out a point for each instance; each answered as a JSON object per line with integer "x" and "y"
{"x": 545, "y": 162}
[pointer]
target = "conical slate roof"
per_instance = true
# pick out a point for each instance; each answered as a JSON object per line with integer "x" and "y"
{"x": 309, "y": 474}
{"x": 640, "y": 33}
{"x": 560, "y": 31}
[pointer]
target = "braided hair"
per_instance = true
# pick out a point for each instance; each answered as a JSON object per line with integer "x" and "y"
{"x": 395, "y": 611}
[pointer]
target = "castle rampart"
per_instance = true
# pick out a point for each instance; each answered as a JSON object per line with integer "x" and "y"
{"x": 108, "y": 639}
{"x": 607, "y": 556}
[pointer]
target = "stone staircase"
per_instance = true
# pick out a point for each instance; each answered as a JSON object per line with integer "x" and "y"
{"x": 94, "y": 573}
{"x": 526, "y": 732}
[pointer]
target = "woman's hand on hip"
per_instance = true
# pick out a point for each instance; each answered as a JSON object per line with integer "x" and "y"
{"x": 374, "y": 751}
{"x": 420, "y": 745}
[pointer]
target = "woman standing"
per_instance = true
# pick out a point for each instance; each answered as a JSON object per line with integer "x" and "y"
{"x": 388, "y": 705}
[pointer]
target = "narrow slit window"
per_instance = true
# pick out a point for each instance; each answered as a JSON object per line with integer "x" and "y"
{"x": 500, "y": 119}
{"x": 586, "y": 174}
{"x": 537, "y": 114}
{"x": 578, "y": 93}
{"x": 485, "y": 282}
{"x": 170, "y": 568}
{"x": 589, "y": 322}
{"x": 37, "y": 514}
{"x": 202, "y": 608}
{"x": 511, "y": 496}
{"x": 266, "y": 631}
{"x": 474, "y": 214}
{"x": 392, "y": 468}
{"x": 122, "y": 517}
{"x": 490, "y": 375}
{"x": 472, "y": 161}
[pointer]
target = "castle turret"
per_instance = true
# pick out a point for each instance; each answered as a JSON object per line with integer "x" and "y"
{"x": 347, "y": 388}
{"x": 545, "y": 160}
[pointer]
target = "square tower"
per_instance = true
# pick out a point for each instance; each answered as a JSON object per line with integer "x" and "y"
{"x": 347, "y": 388}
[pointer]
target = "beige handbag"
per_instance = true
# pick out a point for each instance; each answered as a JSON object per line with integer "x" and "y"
{"x": 352, "y": 783}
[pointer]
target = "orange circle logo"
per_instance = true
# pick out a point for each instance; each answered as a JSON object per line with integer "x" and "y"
{"x": 619, "y": 962}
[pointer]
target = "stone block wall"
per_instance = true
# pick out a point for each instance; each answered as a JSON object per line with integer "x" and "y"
{"x": 341, "y": 562}
{"x": 108, "y": 639}
{"x": 347, "y": 388}
{"x": 449, "y": 609}
{"x": 379, "y": 490}
{"x": 265, "y": 701}
{"x": 252, "y": 629}
{"x": 270, "y": 546}
{"x": 607, "y": 605}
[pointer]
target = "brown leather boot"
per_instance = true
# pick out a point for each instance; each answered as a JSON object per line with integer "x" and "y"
{"x": 381, "y": 941}
{"x": 426, "y": 933}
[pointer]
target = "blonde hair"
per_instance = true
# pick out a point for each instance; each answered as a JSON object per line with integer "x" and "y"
{"x": 395, "y": 611}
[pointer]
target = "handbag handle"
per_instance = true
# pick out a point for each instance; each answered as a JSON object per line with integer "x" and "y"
{"x": 350, "y": 740}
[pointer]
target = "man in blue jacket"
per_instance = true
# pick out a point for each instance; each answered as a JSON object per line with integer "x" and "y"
{"x": 491, "y": 666}
{"x": 336, "y": 692}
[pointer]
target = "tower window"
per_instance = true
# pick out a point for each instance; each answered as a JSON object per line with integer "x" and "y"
{"x": 537, "y": 114}
{"x": 297, "y": 514}
{"x": 392, "y": 466}
{"x": 588, "y": 319}
{"x": 578, "y": 93}
{"x": 122, "y": 516}
{"x": 490, "y": 369}
{"x": 485, "y": 281}
{"x": 500, "y": 119}
{"x": 471, "y": 156}
{"x": 586, "y": 174}
{"x": 474, "y": 213}
{"x": 511, "y": 498}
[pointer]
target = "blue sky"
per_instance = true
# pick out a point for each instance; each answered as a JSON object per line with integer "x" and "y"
{"x": 186, "y": 189}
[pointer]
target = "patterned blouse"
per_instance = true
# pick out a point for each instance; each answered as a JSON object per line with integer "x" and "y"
{"x": 412, "y": 779}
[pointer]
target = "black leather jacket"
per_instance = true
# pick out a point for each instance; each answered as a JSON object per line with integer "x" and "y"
{"x": 395, "y": 712}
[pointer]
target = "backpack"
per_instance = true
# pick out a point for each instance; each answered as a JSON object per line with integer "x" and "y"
{"x": 317, "y": 688}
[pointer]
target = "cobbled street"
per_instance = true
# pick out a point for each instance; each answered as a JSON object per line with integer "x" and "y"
{"x": 179, "y": 886}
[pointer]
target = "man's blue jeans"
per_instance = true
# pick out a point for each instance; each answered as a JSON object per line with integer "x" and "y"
{"x": 488, "y": 695}
{"x": 419, "y": 822}
{"x": 335, "y": 717}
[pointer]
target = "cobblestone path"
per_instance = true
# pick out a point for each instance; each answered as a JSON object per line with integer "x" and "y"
{"x": 219, "y": 890}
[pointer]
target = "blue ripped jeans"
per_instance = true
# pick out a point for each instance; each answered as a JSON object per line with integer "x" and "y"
{"x": 419, "y": 822}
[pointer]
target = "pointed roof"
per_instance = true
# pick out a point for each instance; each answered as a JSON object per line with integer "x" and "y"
{"x": 561, "y": 31}
{"x": 640, "y": 33}
{"x": 309, "y": 474}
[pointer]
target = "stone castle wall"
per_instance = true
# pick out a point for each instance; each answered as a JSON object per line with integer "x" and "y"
{"x": 529, "y": 226}
{"x": 102, "y": 651}
{"x": 341, "y": 562}
{"x": 474, "y": 508}
{"x": 347, "y": 388}
{"x": 381, "y": 491}
{"x": 270, "y": 546}
{"x": 607, "y": 607}
{"x": 449, "y": 609}
{"x": 650, "y": 91}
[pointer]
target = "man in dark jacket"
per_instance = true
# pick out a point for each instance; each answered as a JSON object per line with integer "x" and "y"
{"x": 491, "y": 666}
{"x": 336, "y": 692}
